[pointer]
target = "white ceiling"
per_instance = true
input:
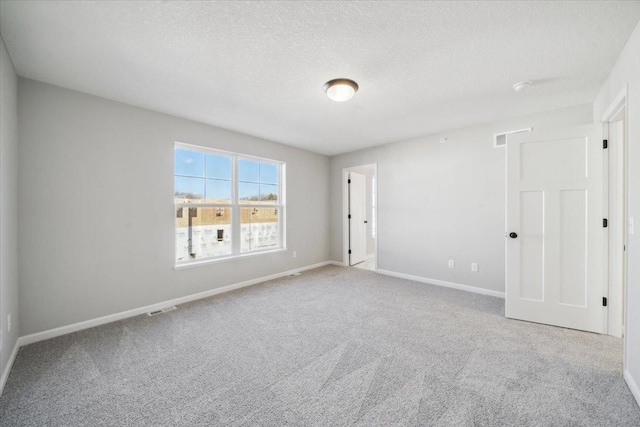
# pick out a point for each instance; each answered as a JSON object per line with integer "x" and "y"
{"x": 259, "y": 67}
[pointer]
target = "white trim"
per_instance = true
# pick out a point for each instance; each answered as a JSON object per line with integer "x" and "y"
{"x": 7, "y": 369}
{"x": 204, "y": 261}
{"x": 442, "y": 283}
{"x": 633, "y": 386}
{"x": 615, "y": 202}
{"x": 616, "y": 104}
{"x": 63, "y": 330}
{"x": 211, "y": 150}
{"x": 619, "y": 102}
{"x": 337, "y": 263}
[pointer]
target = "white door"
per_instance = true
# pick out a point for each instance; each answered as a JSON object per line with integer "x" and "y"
{"x": 555, "y": 232}
{"x": 357, "y": 218}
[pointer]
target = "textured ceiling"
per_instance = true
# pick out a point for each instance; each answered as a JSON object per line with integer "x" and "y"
{"x": 259, "y": 67}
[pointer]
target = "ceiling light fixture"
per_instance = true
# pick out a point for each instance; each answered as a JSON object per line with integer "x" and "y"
{"x": 340, "y": 90}
{"x": 520, "y": 86}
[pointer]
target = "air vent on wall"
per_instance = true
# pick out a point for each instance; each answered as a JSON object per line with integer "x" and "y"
{"x": 162, "y": 310}
{"x": 500, "y": 139}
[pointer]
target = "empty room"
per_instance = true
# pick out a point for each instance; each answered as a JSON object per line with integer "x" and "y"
{"x": 319, "y": 213}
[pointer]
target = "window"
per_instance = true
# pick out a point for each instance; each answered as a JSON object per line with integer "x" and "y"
{"x": 226, "y": 204}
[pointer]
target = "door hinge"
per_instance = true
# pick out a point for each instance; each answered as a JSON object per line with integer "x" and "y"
{"x": 349, "y": 251}
{"x": 605, "y": 222}
{"x": 348, "y": 181}
{"x": 605, "y": 144}
{"x": 604, "y": 301}
{"x": 349, "y": 216}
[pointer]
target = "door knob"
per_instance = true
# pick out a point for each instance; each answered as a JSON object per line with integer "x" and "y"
{"x": 513, "y": 235}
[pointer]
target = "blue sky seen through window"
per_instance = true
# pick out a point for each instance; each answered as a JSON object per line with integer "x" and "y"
{"x": 248, "y": 171}
{"x": 189, "y": 188}
{"x": 268, "y": 173}
{"x": 208, "y": 177}
{"x": 218, "y": 166}
{"x": 189, "y": 163}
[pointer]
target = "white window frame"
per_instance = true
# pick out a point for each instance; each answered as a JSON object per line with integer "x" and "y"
{"x": 236, "y": 206}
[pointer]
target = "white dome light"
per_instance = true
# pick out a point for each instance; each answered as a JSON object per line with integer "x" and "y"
{"x": 519, "y": 87}
{"x": 340, "y": 90}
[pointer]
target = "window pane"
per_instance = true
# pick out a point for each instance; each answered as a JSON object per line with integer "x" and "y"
{"x": 218, "y": 166}
{"x": 191, "y": 189}
{"x": 269, "y": 194}
{"x": 218, "y": 191}
{"x": 248, "y": 192}
{"x": 259, "y": 228}
{"x": 189, "y": 163}
{"x": 269, "y": 173}
{"x": 248, "y": 171}
{"x": 202, "y": 233}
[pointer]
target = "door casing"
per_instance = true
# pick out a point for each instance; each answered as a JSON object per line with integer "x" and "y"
{"x": 616, "y": 110}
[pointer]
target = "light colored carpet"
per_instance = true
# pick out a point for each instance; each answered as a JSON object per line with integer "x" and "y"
{"x": 368, "y": 264}
{"x": 335, "y": 346}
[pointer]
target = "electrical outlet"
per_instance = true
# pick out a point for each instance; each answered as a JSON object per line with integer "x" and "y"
{"x": 452, "y": 264}
{"x": 295, "y": 254}
{"x": 9, "y": 323}
{"x": 474, "y": 267}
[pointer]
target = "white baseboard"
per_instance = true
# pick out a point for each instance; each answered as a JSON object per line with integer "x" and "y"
{"x": 443, "y": 283}
{"x": 7, "y": 369}
{"x": 337, "y": 263}
{"x": 63, "y": 330}
{"x": 633, "y": 386}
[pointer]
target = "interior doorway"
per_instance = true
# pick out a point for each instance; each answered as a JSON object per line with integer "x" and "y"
{"x": 616, "y": 163}
{"x": 360, "y": 222}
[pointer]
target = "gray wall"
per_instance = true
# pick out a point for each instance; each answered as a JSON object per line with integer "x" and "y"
{"x": 627, "y": 71}
{"x": 8, "y": 204}
{"x": 97, "y": 217}
{"x": 442, "y": 201}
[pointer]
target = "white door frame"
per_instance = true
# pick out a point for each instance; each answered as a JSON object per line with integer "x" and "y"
{"x": 615, "y": 306}
{"x": 345, "y": 212}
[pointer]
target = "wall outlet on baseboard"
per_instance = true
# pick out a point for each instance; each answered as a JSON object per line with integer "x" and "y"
{"x": 452, "y": 263}
{"x": 295, "y": 254}
{"x": 474, "y": 267}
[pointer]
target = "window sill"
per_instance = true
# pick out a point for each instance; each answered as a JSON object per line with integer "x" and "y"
{"x": 227, "y": 258}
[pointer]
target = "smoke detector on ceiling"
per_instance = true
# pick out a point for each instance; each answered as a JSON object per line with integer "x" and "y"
{"x": 520, "y": 86}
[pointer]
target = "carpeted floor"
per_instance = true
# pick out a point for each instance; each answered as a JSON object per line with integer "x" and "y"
{"x": 367, "y": 264}
{"x": 335, "y": 346}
